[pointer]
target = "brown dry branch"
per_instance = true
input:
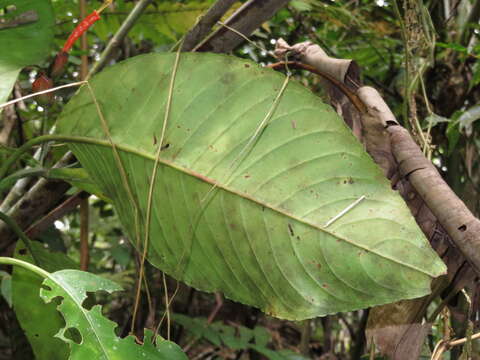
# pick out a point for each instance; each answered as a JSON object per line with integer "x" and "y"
{"x": 246, "y": 19}
{"x": 344, "y": 71}
{"x": 205, "y": 24}
{"x": 451, "y": 212}
{"x": 397, "y": 329}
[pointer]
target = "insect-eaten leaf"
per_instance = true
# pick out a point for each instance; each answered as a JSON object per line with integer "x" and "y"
{"x": 241, "y": 198}
{"x": 90, "y": 334}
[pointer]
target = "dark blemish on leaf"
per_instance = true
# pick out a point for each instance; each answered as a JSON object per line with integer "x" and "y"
{"x": 247, "y": 65}
{"x": 350, "y": 181}
{"x": 325, "y": 285}
{"x": 22, "y": 251}
{"x": 290, "y": 228}
{"x": 233, "y": 226}
{"x": 154, "y": 140}
{"x": 263, "y": 208}
{"x": 247, "y": 176}
{"x": 36, "y": 335}
{"x": 319, "y": 265}
{"x": 298, "y": 238}
{"x": 228, "y": 78}
{"x": 462, "y": 228}
{"x": 294, "y": 124}
{"x": 166, "y": 146}
{"x": 178, "y": 126}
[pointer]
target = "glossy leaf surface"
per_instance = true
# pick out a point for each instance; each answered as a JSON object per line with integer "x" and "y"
{"x": 260, "y": 235}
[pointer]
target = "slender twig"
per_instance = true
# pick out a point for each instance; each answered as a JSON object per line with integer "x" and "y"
{"x": 167, "y": 304}
{"x": 356, "y": 101}
{"x": 246, "y": 19}
{"x": 247, "y": 39}
{"x": 84, "y": 205}
{"x": 84, "y": 230}
{"x": 427, "y": 151}
{"x": 165, "y": 314}
{"x": 152, "y": 187}
{"x": 407, "y": 61}
{"x": 119, "y": 36}
{"x": 57, "y": 213}
{"x": 251, "y": 142}
{"x": 14, "y": 101}
{"x": 159, "y": 12}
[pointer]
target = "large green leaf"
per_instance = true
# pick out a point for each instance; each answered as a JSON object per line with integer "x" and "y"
{"x": 40, "y": 321}
{"x": 26, "y": 37}
{"x": 261, "y": 238}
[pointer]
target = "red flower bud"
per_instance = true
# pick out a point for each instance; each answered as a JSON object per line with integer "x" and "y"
{"x": 43, "y": 82}
{"x": 58, "y": 66}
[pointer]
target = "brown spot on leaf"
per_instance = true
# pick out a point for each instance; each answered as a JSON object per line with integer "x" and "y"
{"x": 290, "y": 229}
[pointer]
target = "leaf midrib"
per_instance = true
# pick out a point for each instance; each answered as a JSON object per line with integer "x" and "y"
{"x": 131, "y": 150}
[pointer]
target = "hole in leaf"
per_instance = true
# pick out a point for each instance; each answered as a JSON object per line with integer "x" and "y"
{"x": 74, "y": 335}
{"x": 95, "y": 298}
{"x": 48, "y": 288}
{"x": 462, "y": 228}
{"x": 89, "y": 301}
{"x": 22, "y": 251}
